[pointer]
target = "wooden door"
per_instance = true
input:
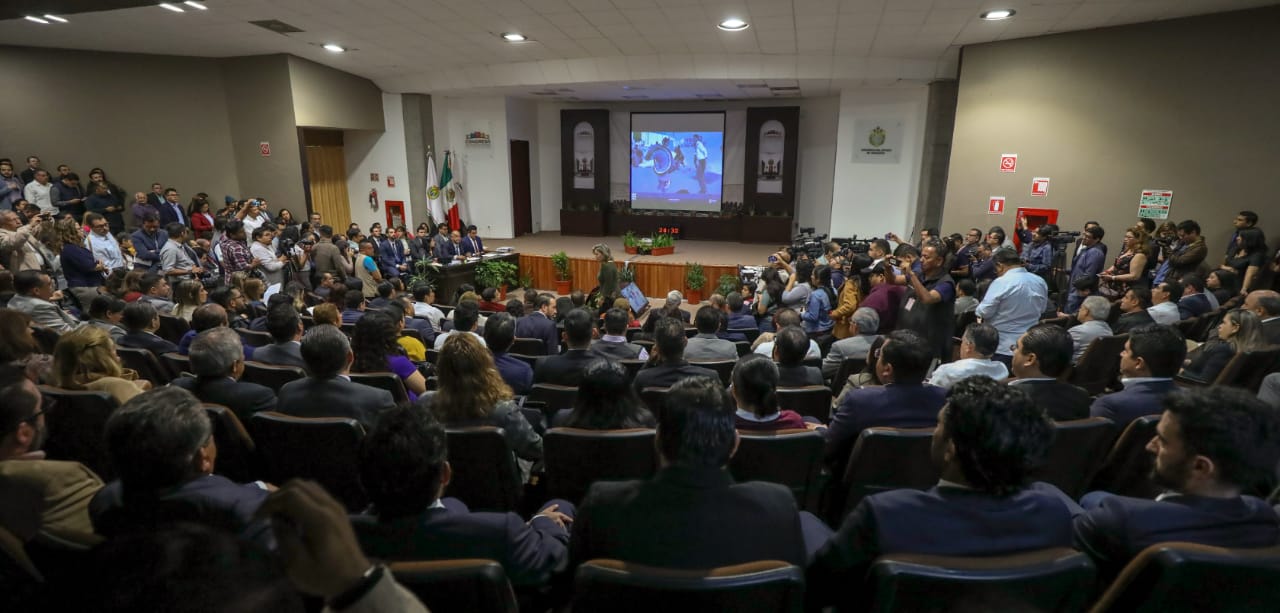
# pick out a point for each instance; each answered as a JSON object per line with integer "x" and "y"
{"x": 521, "y": 199}
{"x": 327, "y": 184}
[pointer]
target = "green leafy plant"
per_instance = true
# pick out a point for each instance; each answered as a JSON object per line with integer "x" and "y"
{"x": 663, "y": 240}
{"x": 424, "y": 273}
{"x": 495, "y": 273}
{"x": 629, "y": 239}
{"x": 561, "y": 263}
{"x": 626, "y": 275}
{"x": 526, "y": 280}
{"x": 694, "y": 277}
{"x": 727, "y": 283}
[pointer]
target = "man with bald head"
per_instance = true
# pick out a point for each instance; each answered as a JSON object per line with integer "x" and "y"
{"x": 1265, "y": 304}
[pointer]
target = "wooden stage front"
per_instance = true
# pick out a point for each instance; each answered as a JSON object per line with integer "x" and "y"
{"x": 655, "y": 275}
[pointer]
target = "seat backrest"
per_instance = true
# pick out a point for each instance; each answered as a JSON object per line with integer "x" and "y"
{"x": 613, "y": 585}
{"x": 145, "y": 364}
{"x": 555, "y": 396}
{"x": 723, "y": 368}
{"x": 848, "y": 367}
{"x": 1099, "y": 365}
{"x": 1208, "y": 321}
{"x": 254, "y": 338}
{"x": 432, "y": 355}
{"x": 172, "y": 328}
{"x": 812, "y": 362}
{"x": 633, "y": 367}
{"x": 751, "y": 333}
{"x": 388, "y": 381}
{"x": 1246, "y": 369}
{"x": 655, "y": 399}
{"x": 457, "y": 585}
{"x": 237, "y": 455}
{"x": 787, "y": 457}
{"x": 1048, "y": 580}
{"x": 576, "y": 458}
{"x": 271, "y": 375}
{"x": 1126, "y": 469}
{"x": 809, "y": 401}
{"x": 326, "y": 449}
{"x": 413, "y": 334}
{"x": 75, "y": 425}
{"x": 1078, "y": 449}
{"x": 485, "y": 475}
{"x": 888, "y": 458}
{"x": 528, "y": 346}
{"x": 176, "y": 363}
{"x": 743, "y": 347}
{"x": 1178, "y": 577}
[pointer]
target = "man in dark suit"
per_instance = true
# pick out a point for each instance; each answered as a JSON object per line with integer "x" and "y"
{"x": 328, "y": 392}
{"x": 171, "y": 209}
{"x": 217, "y": 359}
{"x": 566, "y": 368}
{"x": 285, "y": 326}
{"x": 739, "y": 318}
{"x": 790, "y": 345}
{"x": 691, "y": 514}
{"x": 499, "y": 334}
{"x": 667, "y": 365}
{"x": 989, "y": 439}
{"x": 161, "y": 446}
{"x": 447, "y": 250}
{"x": 1133, "y": 310}
{"x": 404, "y": 467}
{"x": 904, "y": 401}
{"x": 1039, "y": 358}
{"x": 142, "y": 321}
{"x": 1213, "y": 447}
{"x": 541, "y": 323}
{"x": 1265, "y": 304}
{"x": 1151, "y": 357}
{"x": 1195, "y": 302}
{"x": 706, "y": 345}
{"x": 613, "y": 344}
{"x": 472, "y": 243}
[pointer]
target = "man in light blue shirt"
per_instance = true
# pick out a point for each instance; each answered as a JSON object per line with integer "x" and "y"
{"x": 104, "y": 246}
{"x": 1015, "y": 301}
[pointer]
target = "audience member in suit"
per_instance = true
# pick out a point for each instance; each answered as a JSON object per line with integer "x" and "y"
{"x": 1092, "y": 315}
{"x": 64, "y": 487}
{"x": 740, "y": 317}
{"x": 613, "y": 343}
{"x": 448, "y": 250}
{"x": 904, "y": 401}
{"x": 1133, "y": 310}
{"x": 674, "y": 300}
{"x": 142, "y": 321}
{"x": 605, "y": 401}
{"x": 541, "y": 324}
{"x": 328, "y": 392}
{"x": 499, "y": 334}
{"x": 1164, "y": 302}
{"x": 989, "y": 439}
{"x": 667, "y": 364}
{"x": 691, "y": 514}
{"x": 105, "y": 312}
{"x": 1214, "y": 447}
{"x": 161, "y": 446}
{"x": 405, "y": 469}
{"x": 206, "y": 317}
{"x": 863, "y": 325}
{"x": 1151, "y": 357}
{"x": 790, "y": 347}
{"x": 285, "y": 326}
{"x": 1265, "y": 304}
{"x": 384, "y": 289}
{"x": 353, "y": 307}
{"x": 217, "y": 359}
{"x": 1195, "y": 302}
{"x": 705, "y": 346}
{"x": 755, "y": 393}
{"x": 472, "y": 243}
{"x": 1041, "y": 356}
{"x": 35, "y": 293}
{"x": 566, "y": 368}
{"x": 155, "y": 290}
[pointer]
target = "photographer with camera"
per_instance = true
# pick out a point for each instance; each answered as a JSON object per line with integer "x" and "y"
{"x": 966, "y": 254}
{"x": 929, "y": 305}
{"x": 17, "y": 249}
{"x": 1185, "y": 255}
{"x": 1037, "y": 251}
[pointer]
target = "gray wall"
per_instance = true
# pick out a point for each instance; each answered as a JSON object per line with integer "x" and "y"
{"x": 260, "y": 104}
{"x": 142, "y": 118}
{"x": 1187, "y": 105}
{"x": 328, "y": 98}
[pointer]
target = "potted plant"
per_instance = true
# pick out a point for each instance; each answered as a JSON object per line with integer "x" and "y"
{"x": 496, "y": 274}
{"x": 728, "y": 283}
{"x": 424, "y": 273}
{"x": 626, "y": 275}
{"x": 694, "y": 279}
{"x": 564, "y": 278}
{"x": 663, "y": 244}
{"x": 629, "y": 242}
{"x": 526, "y": 281}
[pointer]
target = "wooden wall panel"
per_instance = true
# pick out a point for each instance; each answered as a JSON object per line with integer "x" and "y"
{"x": 655, "y": 279}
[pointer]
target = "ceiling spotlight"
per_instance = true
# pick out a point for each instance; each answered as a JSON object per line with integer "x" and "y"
{"x": 513, "y": 37}
{"x": 36, "y": 19}
{"x": 336, "y": 48}
{"x": 172, "y": 7}
{"x": 55, "y": 18}
{"x": 733, "y": 24}
{"x": 998, "y": 14}
{"x": 196, "y": 5}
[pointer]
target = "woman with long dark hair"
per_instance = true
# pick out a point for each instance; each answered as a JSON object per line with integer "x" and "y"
{"x": 1249, "y": 257}
{"x": 606, "y": 401}
{"x": 755, "y": 390}
{"x": 1224, "y": 284}
{"x": 817, "y": 313}
{"x": 376, "y": 350}
{"x": 201, "y": 217}
{"x": 770, "y": 299}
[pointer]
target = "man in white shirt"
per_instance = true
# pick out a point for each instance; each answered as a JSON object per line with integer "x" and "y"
{"x": 104, "y": 246}
{"x": 1093, "y": 315}
{"x": 782, "y": 319}
{"x": 423, "y": 296}
{"x": 465, "y": 317}
{"x": 700, "y": 162}
{"x": 976, "y": 348}
{"x": 1164, "y": 302}
{"x": 37, "y": 192}
{"x": 1015, "y": 301}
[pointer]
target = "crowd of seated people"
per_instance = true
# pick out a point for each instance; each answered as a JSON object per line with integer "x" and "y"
{"x": 991, "y": 391}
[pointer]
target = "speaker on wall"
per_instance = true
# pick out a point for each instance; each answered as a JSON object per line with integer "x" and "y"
{"x": 584, "y": 156}
{"x": 773, "y": 141}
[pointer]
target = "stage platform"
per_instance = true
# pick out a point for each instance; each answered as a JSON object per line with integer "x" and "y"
{"x": 655, "y": 275}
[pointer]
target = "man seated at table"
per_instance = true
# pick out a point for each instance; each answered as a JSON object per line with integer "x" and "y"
{"x": 472, "y": 243}
{"x": 447, "y": 251}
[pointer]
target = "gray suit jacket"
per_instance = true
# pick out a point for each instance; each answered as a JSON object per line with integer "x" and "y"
{"x": 280, "y": 354}
{"x": 709, "y": 348}
{"x": 1086, "y": 333}
{"x": 845, "y": 348}
{"x": 336, "y": 397}
{"x": 45, "y": 313}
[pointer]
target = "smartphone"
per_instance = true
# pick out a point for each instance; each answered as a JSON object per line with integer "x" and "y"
{"x": 773, "y": 258}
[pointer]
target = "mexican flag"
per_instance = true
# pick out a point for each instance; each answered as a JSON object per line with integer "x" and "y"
{"x": 434, "y": 196}
{"x": 452, "y": 188}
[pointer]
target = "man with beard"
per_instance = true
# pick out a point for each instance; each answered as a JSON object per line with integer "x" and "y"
{"x": 1213, "y": 447}
{"x": 65, "y": 488}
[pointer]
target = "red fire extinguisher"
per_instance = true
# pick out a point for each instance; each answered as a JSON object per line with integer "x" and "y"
{"x": 373, "y": 199}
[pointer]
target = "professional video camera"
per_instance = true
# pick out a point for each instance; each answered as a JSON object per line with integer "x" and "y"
{"x": 750, "y": 275}
{"x": 807, "y": 243}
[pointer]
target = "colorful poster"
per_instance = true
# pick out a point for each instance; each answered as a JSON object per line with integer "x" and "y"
{"x": 1155, "y": 203}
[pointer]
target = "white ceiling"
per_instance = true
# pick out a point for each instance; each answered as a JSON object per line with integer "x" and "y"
{"x": 664, "y": 49}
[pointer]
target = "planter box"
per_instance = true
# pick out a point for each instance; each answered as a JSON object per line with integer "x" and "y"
{"x": 564, "y": 287}
{"x": 631, "y": 250}
{"x": 662, "y": 251}
{"x": 582, "y": 223}
{"x": 694, "y": 296}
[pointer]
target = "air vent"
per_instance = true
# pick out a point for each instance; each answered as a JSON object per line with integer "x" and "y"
{"x": 706, "y": 96}
{"x": 277, "y": 26}
{"x": 544, "y": 93}
{"x": 752, "y": 86}
{"x": 635, "y": 97}
{"x": 565, "y": 90}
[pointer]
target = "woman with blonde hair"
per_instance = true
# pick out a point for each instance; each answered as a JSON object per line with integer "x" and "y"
{"x": 326, "y": 313}
{"x": 1239, "y": 331}
{"x": 85, "y": 359}
{"x": 607, "y": 279}
{"x": 187, "y": 297}
{"x": 472, "y": 393}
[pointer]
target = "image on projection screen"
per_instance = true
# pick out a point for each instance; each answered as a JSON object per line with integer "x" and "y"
{"x": 677, "y": 161}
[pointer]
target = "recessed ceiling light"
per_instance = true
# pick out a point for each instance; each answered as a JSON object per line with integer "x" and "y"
{"x": 55, "y": 18}
{"x": 196, "y": 5}
{"x": 171, "y": 7}
{"x": 36, "y": 19}
{"x": 733, "y": 24}
{"x": 336, "y": 48}
{"x": 998, "y": 14}
{"x": 513, "y": 37}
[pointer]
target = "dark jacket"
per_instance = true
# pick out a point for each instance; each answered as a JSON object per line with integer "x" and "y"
{"x": 472, "y": 245}
{"x": 537, "y": 325}
{"x": 243, "y": 398}
{"x": 1062, "y": 401}
{"x": 666, "y": 375}
{"x": 211, "y": 500}
{"x": 563, "y": 369}
{"x": 78, "y": 267}
{"x": 798, "y": 376}
{"x": 616, "y": 351}
{"x": 148, "y": 341}
{"x": 1129, "y": 321}
{"x": 515, "y": 372}
{"x": 1134, "y": 401}
{"x": 895, "y": 405}
{"x": 1194, "y": 305}
{"x": 280, "y": 354}
{"x": 334, "y": 397}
